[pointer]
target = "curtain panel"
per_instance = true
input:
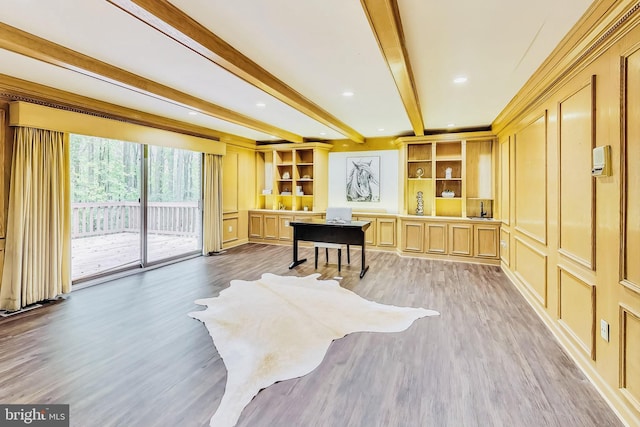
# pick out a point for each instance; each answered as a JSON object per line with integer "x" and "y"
{"x": 37, "y": 263}
{"x": 212, "y": 227}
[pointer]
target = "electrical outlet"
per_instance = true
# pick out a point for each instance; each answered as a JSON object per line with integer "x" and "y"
{"x": 604, "y": 330}
{"x": 286, "y": 223}
{"x": 503, "y": 243}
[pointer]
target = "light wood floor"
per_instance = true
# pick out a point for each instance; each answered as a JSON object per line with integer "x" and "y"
{"x": 125, "y": 353}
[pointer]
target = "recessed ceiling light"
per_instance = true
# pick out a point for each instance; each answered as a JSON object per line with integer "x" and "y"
{"x": 323, "y": 133}
{"x": 193, "y": 113}
{"x": 380, "y": 129}
{"x": 347, "y": 93}
{"x": 261, "y": 104}
{"x": 460, "y": 79}
{"x": 450, "y": 125}
{"x": 273, "y": 137}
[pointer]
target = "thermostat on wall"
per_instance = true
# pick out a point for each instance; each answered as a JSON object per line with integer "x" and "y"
{"x": 601, "y": 161}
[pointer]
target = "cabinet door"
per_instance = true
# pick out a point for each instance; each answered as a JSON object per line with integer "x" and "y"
{"x": 285, "y": 232}
{"x": 370, "y": 234}
{"x": 486, "y": 241}
{"x": 412, "y": 236}
{"x": 460, "y": 239}
{"x": 436, "y": 238}
{"x": 255, "y": 225}
{"x": 270, "y": 226}
{"x": 386, "y": 232}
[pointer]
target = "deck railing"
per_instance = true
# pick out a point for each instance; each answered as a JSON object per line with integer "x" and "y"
{"x": 99, "y": 218}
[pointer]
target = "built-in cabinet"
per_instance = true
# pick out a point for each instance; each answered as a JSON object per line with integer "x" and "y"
{"x": 292, "y": 177}
{"x": 273, "y": 227}
{"x": 448, "y": 175}
{"x": 430, "y": 237}
{"x": 464, "y": 240}
{"x": 370, "y": 234}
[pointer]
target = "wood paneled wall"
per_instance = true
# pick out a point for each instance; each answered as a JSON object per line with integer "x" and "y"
{"x": 238, "y": 193}
{"x": 569, "y": 241}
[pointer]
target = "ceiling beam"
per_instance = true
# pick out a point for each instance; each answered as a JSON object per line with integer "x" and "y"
{"x": 29, "y": 45}
{"x": 174, "y": 23}
{"x": 384, "y": 18}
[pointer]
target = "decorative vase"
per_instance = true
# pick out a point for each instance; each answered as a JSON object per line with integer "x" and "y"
{"x": 420, "y": 206}
{"x": 447, "y": 173}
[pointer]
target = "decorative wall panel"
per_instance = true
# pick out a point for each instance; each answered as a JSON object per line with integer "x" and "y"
{"x": 505, "y": 245}
{"x": 631, "y": 176}
{"x": 576, "y": 309}
{"x": 230, "y": 182}
{"x": 229, "y": 229}
{"x": 576, "y": 197}
{"x": 530, "y": 266}
{"x": 531, "y": 180}
{"x": 505, "y": 187}
{"x": 630, "y": 355}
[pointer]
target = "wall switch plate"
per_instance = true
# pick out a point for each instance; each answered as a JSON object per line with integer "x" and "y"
{"x": 604, "y": 330}
{"x": 230, "y": 229}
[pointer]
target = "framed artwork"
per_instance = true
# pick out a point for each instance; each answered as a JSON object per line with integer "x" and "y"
{"x": 363, "y": 179}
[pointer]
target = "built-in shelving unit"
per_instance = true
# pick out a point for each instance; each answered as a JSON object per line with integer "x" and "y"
{"x": 453, "y": 172}
{"x": 293, "y": 177}
{"x": 419, "y": 173}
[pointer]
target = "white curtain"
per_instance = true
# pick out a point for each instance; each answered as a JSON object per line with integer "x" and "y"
{"x": 37, "y": 263}
{"x": 212, "y": 227}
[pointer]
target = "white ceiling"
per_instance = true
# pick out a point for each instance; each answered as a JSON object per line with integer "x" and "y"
{"x": 320, "y": 48}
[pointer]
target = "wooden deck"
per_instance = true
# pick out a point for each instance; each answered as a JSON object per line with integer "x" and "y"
{"x": 95, "y": 254}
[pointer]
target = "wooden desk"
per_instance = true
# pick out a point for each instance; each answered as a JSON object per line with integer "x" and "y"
{"x": 348, "y": 233}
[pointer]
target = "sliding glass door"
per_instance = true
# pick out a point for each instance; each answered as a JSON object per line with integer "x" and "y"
{"x": 129, "y": 213}
{"x": 174, "y": 216}
{"x": 105, "y": 205}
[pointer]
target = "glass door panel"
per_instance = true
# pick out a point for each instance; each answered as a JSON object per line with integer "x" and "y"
{"x": 105, "y": 205}
{"x": 174, "y": 192}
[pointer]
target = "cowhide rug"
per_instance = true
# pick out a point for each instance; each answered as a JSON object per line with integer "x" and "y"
{"x": 279, "y": 327}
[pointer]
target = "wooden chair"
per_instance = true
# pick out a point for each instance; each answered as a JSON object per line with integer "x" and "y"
{"x": 334, "y": 214}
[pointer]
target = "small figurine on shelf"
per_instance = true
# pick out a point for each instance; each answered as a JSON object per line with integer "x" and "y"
{"x": 447, "y": 173}
{"x": 420, "y": 207}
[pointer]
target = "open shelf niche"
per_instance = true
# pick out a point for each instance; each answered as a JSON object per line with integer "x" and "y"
{"x": 292, "y": 177}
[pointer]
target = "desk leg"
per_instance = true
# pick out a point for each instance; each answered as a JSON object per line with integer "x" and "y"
{"x": 296, "y": 261}
{"x": 364, "y": 267}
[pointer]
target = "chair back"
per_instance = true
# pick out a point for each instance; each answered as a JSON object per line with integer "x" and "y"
{"x": 338, "y": 213}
